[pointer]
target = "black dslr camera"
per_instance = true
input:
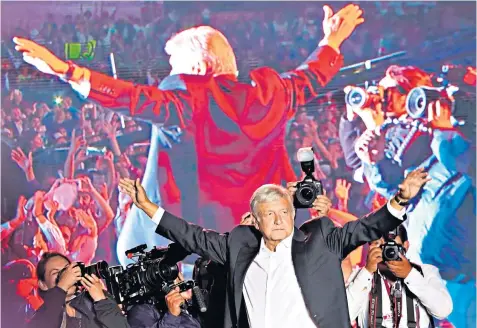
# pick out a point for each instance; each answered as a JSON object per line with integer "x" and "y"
{"x": 100, "y": 269}
{"x": 391, "y": 249}
{"x": 310, "y": 188}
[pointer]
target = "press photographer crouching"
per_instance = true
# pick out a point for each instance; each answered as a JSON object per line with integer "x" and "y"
{"x": 153, "y": 291}
{"x": 72, "y": 298}
{"x": 177, "y": 311}
{"x": 390, "y": 291}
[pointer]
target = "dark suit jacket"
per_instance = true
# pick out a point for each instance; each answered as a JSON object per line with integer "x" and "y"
{"x": 238, "y": 129}
{"x": 317, "y": 250}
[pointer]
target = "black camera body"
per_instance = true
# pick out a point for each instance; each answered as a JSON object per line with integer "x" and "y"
{"x": 100, "y": 269}
{"x": 309, "y": 188}
{"x": 391, "y": 251}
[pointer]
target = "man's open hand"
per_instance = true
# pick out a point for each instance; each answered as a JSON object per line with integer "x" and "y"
{"x": 338, "y": 27}
{"x": 413, "y": 183}
{"x": 135, "y": 191}
{"x": 40, "y": 57}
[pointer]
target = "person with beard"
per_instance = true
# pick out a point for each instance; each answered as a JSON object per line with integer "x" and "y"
{"x": 372, "y": 289}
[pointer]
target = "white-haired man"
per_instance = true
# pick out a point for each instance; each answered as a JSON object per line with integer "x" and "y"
{"x": 279, "y": 275}
{"x": 237, "y": 130}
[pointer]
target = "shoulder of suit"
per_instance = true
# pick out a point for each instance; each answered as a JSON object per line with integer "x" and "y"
{"x": 315, "y": 224}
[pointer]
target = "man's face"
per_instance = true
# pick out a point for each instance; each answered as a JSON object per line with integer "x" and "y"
{"x": 275, "y": 219}
{"x": 53, "y": 266}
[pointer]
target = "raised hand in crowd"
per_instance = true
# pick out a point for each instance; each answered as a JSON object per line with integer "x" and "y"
{"x": 12, "y": 225}
{"x": 24, "y": 162}
{"x": 342, "y": 193}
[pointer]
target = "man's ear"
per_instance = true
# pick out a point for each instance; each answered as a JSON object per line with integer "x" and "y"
{"x": 255, "y": 222}
{"x": 42, "y": 285}
{"x": 406, "y": 245}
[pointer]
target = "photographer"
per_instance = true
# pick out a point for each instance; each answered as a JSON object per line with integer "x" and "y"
{"x": 401, "y": 293}
{"x": 177, "y": 314}
{"x": 63, "y": 307}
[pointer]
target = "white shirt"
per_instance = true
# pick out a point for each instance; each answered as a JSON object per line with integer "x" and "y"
{"x": 429, "y": 289}
{"x": 272, "y": 295}
{"x": 271, "y": 291}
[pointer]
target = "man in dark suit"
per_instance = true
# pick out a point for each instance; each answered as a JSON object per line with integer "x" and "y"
{"x": 237, "y": 129}
{"x": 279, "y": 275}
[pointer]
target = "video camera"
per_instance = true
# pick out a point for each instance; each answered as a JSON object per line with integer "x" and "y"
{"x": 148, "y": 280}
{"x": 309, "y": 188}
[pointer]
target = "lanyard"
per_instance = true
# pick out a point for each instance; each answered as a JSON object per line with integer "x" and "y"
{"x": 395, "y": 297}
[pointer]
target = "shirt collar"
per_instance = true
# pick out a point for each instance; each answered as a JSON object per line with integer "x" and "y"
{"x": 287, "y": 242}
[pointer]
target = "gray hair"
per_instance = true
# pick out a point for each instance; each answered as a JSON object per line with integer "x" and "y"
{"x": 269, "y": 193}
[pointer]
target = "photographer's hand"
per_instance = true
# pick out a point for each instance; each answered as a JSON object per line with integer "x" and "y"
{"x": 322, "y": 205}
{"x": 291, "y": 187}
{"x": 94, "y": 286}
{"x": 174, "y": 300}
{"x": 70, "y": 277}
{"x": 375, "y": 256}
{"x": 400, "y": 269}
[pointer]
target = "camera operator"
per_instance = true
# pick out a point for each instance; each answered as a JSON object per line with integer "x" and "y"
{"x": 178, "y": 313}
{"x": 63, "y": 307}
{"x": 398, "y": 292}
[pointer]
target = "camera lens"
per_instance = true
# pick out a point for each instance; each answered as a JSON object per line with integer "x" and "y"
{"x": 307, "y": 194}
{"x": 416, "y": 103}
{"x": 159, "y": 272}
{"x": 390, "y": 253}
{"x": 100, "y": 269}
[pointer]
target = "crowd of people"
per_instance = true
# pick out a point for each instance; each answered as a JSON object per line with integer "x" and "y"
{"x": 91, "y": 149}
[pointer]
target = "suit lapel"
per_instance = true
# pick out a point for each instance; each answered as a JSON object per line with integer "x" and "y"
{"x": 299, "y": 257}
{"x": 244, "y": 259}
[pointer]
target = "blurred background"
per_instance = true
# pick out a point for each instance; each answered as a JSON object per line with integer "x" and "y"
{"x": 46, "y": 129}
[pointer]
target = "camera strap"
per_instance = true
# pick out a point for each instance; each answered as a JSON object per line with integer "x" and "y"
{"x": 375, "y": 306}
{"x": 395, "y": 296}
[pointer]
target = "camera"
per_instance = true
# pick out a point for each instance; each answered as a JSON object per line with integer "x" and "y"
{"x": 357, "y": 97}
{"x": 419, "y": 98}
{"x": 391, "y": 251}
{"x": 310, "y": 188}
{"x": 100, "y": 269}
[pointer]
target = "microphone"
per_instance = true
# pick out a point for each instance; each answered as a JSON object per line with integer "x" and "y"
{"x": 199, "y": 298}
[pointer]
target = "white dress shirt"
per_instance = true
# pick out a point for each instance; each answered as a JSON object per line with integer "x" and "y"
{"x": 430, "y": 291}
{"x": 271, "y": 291}
{"x": 272, "y": 295}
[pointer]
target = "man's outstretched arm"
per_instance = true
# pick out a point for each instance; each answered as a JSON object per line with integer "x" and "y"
{"x": 192, "y": 238}
{"x": 344, "y": 240}
{"x": 141, "y": 101}
{"x": 305, "y": 82}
